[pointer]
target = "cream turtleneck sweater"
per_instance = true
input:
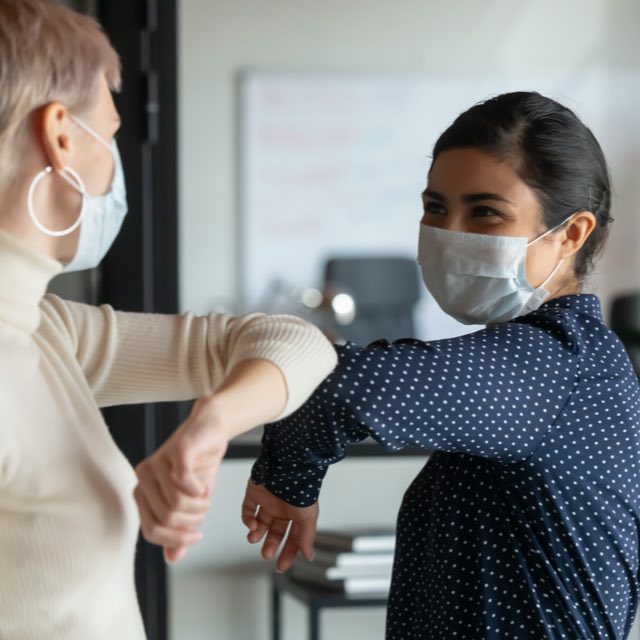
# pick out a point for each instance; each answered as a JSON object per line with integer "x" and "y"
{"x": 68, "y": 521}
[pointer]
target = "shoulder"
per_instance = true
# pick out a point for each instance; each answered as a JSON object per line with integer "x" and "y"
{"x": 526, "y": 334}
{"x": 57, "y": 320}
{"x": 577, "y": 322}
{"x": 548, "y": 326}
{"x": 551, "y": 333}
{"x": 574, "y": 321}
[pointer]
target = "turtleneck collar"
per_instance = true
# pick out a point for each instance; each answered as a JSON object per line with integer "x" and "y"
{"x": 24, "y": 277}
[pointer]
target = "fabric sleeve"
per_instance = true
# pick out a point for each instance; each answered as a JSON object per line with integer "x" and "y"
{"x": 493, "y": 393}
{"x": 8, "y": 451}
{"x": 134, "y": 357}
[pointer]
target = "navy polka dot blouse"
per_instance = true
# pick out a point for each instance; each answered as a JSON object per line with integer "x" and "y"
{"x": 525, "y": 522}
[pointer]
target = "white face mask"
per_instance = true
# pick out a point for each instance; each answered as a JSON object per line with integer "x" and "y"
{"x": 478, "y": 278}
{"x": 100, "y": 216}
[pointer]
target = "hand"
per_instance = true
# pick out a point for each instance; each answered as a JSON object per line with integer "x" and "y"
{"x": 264, "y": 513}
{"x": 175, "y": 483}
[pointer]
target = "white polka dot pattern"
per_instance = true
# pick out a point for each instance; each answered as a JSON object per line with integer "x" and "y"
{"x": 525, "y": 522}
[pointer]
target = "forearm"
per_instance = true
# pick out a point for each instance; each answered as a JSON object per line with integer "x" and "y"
{"x": 175, "y": 483}
{"x": 253, "y": 393}
{"x": 133, "y": 358}
{"x": 300, "y": 351}
{"x": 405, "y": 394}
{"x": 297, "y": 451}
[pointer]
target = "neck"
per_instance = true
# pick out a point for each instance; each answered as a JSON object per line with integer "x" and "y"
{"x": 567, "y": 288}
{"x": 24, "y": 276}
{"x": 15, "y": 218}
{"x": 36, "y": 241}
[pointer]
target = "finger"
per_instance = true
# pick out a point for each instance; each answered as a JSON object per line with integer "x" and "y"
{"x": 182, "y": 512}
{"x": 174, "y": 518}
{"x": 287, "y": 555}
{"x": 194, "y": 473}
{"x": 182, "y": 472}
{"x": 263, "y": 522}
{"x": 147, "y": 491}
{"x": 189, "y": 482}
{"x": 173, "y": 556}
{"x": 304, "y": 534}
{"x": 276, "y": 534}
{"x": 249, "y": 513}
{"x": 164, "y": 536}
{"x": 154, "y": 500}
{"x": 179, "y": 501}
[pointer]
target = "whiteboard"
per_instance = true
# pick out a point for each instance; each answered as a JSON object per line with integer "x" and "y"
{"x": 334, "y": 164}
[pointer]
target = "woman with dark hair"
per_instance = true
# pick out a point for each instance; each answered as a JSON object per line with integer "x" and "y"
{"x": 525, "y": 522}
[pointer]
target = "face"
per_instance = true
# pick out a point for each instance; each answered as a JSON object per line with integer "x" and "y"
{"x": 471, "y": 191}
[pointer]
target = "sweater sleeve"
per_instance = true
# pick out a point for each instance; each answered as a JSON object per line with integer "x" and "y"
{"x": 494, "y": 393}
{"x": 8, "y": 452}
{"x": 134, "y": 357}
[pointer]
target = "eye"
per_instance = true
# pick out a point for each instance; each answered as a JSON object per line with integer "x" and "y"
{"x": 434, "y": 208}
{"x": 484, "y": 212}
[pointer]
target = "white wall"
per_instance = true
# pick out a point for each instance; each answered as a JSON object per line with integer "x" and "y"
{"x": 219, "y": 593}
{"x": 219, "y": 39}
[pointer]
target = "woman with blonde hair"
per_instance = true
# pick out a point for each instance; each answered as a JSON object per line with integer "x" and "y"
{"x": 68, "y": 520}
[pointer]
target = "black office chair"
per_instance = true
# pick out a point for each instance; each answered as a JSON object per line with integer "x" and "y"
{"x": 625, "y": 321}
{"x": 385, "y": 290}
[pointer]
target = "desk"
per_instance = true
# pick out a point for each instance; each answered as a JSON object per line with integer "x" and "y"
{"x": 248, "y": 446}
{"x": 315, "y": 598}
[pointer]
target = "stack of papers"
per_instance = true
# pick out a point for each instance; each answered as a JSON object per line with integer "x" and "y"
{"x": 357, "y": 561}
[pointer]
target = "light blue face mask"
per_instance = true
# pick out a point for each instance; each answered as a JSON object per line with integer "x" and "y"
{"x": 100, "y": 217}
{"x": 478, "y": 278}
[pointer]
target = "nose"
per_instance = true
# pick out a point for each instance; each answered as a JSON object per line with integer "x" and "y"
{"x": 453, "y": 227}
{"x": 452, "y": 221}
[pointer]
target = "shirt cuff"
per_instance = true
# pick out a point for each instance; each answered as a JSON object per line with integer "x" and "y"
{"x": 297, "y": 482}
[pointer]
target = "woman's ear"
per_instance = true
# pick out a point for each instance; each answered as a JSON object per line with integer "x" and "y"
{"x": 577, "y": 231}
{"x": 51, "y": 123}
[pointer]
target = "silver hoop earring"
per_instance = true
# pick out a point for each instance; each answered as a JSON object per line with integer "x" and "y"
{"x": 78, "y": 185}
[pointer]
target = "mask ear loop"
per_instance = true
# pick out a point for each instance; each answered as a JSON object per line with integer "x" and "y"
{"x": 546, "y": 233}
{"x": 75, "y": 181}
{"x": 91, "y": 132}
{"x": 553, "y": 273}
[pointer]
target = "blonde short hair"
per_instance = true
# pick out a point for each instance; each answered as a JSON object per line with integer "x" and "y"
{"x": 48, "y": 53}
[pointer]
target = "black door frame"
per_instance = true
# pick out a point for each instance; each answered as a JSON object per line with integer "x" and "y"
{"x": 140, "y": 273}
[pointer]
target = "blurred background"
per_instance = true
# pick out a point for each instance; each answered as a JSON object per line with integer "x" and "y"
{"x": 275, "y": 152}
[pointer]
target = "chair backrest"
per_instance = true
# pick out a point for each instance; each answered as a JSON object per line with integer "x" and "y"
{"x": 385, "y": 290}
{"x": 625, "y": 321}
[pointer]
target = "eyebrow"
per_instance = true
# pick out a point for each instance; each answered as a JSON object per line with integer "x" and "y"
{"x": 469, "y": 197}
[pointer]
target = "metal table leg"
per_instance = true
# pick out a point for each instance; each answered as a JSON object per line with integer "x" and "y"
{"x": 314, "y": 623}
{"x": 276, "y": 607}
